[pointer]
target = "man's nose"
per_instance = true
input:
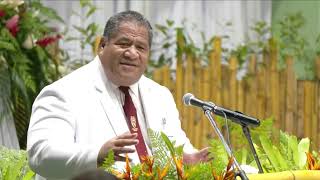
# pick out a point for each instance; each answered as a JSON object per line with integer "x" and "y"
{"x": 131, "y": 52}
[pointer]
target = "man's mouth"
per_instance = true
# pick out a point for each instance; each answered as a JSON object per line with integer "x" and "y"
{"x": 127, "y": 64}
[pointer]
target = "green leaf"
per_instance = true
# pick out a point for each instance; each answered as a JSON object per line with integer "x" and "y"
{"x": 270, "y": 151}
{"x": 303, "y": 148}
{"x": 170, "y": 22}
{"x": 80, "y": 29}
{"x": 169, "y": 144}
{"x": 108, "y": 161}
{"x": 162, "y": 28}
{"x": 91, "y": 11}
{"x": 6, "y": 46}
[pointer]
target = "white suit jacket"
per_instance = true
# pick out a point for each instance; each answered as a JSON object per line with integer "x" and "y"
{"x": 73, "y": 117}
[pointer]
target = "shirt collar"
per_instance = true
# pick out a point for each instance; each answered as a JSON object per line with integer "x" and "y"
{"x": 134, "y": 88}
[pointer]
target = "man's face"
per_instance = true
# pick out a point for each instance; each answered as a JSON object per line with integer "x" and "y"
{"x": 125, "y": 55}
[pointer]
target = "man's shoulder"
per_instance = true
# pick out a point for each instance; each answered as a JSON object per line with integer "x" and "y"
{"x": 77, "y": 80}
{"x": 79, "y": 75}
{"x": 147, "y": 82}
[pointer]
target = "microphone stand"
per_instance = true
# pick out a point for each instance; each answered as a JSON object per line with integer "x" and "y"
{"x": 246, "y": 132}
{"x": 241, "y": 173}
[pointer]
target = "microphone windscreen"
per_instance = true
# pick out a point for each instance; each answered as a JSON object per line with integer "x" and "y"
{"x": 186, "y": 98}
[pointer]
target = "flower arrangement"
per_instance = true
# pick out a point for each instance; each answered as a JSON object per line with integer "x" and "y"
{"x": 29, "y": 58}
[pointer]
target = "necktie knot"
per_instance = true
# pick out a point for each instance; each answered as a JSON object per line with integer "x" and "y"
{"x": 124, "y": 89}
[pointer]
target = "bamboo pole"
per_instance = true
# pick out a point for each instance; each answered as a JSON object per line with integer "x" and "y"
{"x": 300, "y": 111}
{"x": 291, "y": 102}
{"x": 233, "y": 66}
{"x": 274, "y": 81}
{"x": 267, "y": 86}
{"x": 307, "y": 109}
{"x": 180, "y": 79}
{"x": 205, "y": 124}
{"x": 156, "y": 76}
{"x": 251, "y": 88}
{"x": 261, "y": 99}
{"x": 197, "y": 113}
{"x": 188, "y": 87}
{"x": 215, "y": 71}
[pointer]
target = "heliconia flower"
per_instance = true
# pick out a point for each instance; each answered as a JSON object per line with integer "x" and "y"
{"x": 44, "y": 42}
{"x": 12, "y": 25}
{"x": 148, "y": 162}
{"x": 163, "y": 173}
{"x": 2, "y": 13}
{"x": 311, "y": 162}
{"x": 128, "y": 169}
{"x": 179, "y": 167}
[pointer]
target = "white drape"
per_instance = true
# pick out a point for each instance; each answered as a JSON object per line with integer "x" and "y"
{"x": 207, "y": 16}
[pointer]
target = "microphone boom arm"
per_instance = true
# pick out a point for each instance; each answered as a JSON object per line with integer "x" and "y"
{"x": 207, "y": 110}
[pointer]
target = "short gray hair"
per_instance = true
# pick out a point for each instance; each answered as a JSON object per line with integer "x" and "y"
{"x": 112, "y": 25}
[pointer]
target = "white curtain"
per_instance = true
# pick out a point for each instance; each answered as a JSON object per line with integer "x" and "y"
{"x": 8, "y": 135}
{"x": 205, "y": 16}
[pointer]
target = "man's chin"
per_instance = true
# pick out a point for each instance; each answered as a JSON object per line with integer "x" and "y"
{"x": 128, "y": 80}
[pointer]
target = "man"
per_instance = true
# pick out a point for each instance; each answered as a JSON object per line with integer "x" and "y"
{"x": 105, "y": 106}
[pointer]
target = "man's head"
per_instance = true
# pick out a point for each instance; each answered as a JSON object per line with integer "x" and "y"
{"x": 125, "y": 47}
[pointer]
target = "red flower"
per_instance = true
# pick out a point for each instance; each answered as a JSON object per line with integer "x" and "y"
{"x": 12, "y": 25}
{"x": 48, "y": 40}
{"x": 2, "y": 13}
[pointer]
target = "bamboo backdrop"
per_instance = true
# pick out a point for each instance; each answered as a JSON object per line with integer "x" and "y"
{"x": 265, "y": 92}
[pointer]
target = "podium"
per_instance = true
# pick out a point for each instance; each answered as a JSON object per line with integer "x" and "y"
{"x": 287, "y": 175}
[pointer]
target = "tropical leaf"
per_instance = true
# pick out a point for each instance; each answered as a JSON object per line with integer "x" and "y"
{"x": 303, "y": 148}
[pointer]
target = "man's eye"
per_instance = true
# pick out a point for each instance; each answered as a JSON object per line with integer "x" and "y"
{"x": 140, "y": 47}
{"x": 124, "y": 44}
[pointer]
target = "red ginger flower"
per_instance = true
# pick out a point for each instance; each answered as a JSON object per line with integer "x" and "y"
{"x": 12, "y": 25}
{"x": 2, "y": 13}
{"x": 48, "y": 40}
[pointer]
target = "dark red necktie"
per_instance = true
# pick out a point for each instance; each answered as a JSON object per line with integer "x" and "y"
{"x": 132, "y": 121}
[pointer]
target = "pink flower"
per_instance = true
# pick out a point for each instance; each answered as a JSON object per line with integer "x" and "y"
{"x": 48, "y": 40}
{"x": 2, "y": 13}
{"x": 12, "y": 25}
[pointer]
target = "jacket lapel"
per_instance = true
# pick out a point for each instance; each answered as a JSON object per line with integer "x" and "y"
{"x": 113, "y": 113}
{"x": 150, "y": 104}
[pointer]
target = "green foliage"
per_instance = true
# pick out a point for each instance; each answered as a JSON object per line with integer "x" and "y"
{"x": 292, "y": 43}
{"x": 162, "y": 149}
{"x": 14, "y": 165}
{"x": 108, "y": 161}
{"x": 288, "y": 155}
{"x": 27, "y": 63}
{"x": 88, "y": 33}
{"x": 172, "y": 37}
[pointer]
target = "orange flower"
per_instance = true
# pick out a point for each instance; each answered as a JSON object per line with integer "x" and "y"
{"x": 163, "y": 173}
{"x": 179, "y": 167}
{"x": 228, "y": 174}
{"x": 148, "y": 163}
{"x": 311, "y": 162}
{"x": 125, "y": 175}
{"x": 128, "y": 169}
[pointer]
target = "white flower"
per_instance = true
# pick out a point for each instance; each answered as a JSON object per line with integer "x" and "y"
{"x": 28, "y": 42}
{"x": 12, "y": 3}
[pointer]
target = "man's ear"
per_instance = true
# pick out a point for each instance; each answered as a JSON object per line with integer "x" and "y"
{"x": 102, "y": 43}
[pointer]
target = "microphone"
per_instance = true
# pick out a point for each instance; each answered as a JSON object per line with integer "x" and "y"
{"x": 235, "y": 116}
